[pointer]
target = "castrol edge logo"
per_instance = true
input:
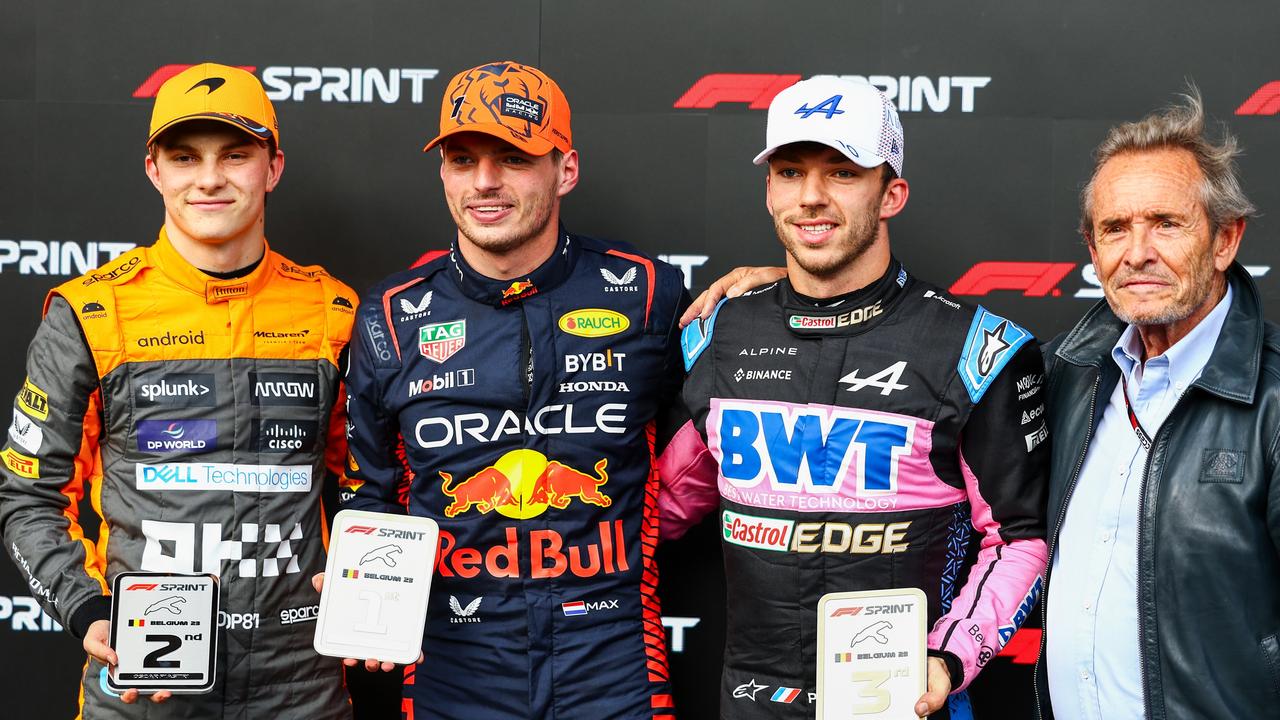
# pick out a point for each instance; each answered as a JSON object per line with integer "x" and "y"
{"x": 757, "y": 532}
{"x": 593, "y": 322}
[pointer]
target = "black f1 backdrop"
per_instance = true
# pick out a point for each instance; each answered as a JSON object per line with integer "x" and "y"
{"x": 1001, "y": 102}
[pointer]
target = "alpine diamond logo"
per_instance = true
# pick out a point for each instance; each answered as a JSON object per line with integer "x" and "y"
{"x": 619, "y": 284}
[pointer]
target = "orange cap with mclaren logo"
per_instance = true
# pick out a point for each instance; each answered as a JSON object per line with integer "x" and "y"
{"x": 513, "y": 102}
{"x": 215, "y": 92}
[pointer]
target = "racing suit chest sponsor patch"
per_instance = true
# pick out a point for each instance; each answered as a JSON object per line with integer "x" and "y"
{"x": 823, "y": 458}
{"x": 786, "y": 535}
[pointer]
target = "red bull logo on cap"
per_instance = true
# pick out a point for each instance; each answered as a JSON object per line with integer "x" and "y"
{"x": 522, "y": 484}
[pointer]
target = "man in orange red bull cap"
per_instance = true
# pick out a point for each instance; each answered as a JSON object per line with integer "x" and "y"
{"x": 190, "y": 357}
{"x": 508, "y": 390}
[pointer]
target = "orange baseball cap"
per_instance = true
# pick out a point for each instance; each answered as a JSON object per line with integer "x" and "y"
{"x": 215, "y": 92}
{"x": 513, "y": 102}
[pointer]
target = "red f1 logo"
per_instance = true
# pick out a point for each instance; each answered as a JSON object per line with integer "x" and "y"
{"x": 846, "y": 611}
{"x": 756, "y": 89}
{"x": 142, "y": 586}
{"x": 363, "y": 529}
{"x": 151, "y": 85}
{"x": 1034, "y": 279}
{"x": 1264, "y": 101}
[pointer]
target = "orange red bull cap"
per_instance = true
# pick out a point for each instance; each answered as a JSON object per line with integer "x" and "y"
{"x": 215, "y": 92}
{"x": 510, "y": 101}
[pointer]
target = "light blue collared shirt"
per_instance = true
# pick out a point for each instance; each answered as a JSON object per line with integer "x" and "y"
{"x": 1092, "y": 654}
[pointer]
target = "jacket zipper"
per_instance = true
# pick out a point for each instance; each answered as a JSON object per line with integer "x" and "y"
{"x": 526, "y": 353}
{"x": 1053, "y": 538}
{"x": 1142, "y": 506}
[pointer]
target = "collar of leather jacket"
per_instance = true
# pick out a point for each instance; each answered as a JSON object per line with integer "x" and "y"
{"x": 1232, "y": 370}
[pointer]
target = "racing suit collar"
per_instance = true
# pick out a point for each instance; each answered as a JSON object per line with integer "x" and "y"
{"x": 499, "y": 293}
{"x": 177, "y": 268}
{"x": 847, "y": 314}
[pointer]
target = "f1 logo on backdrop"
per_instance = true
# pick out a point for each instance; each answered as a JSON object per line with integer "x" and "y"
{"x": 1264, "y": 101}
{"x": 911, "y": 94}
{"x": 335, "y": 84}
{"x": 1040, "y": 279}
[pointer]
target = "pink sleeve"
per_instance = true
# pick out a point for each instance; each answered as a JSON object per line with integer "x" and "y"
{"x": 688, "y": 488}
{"x": 1003, "y": 586}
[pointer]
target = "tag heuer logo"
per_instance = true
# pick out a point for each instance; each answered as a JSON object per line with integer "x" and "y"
{"x": 439, "y": 341}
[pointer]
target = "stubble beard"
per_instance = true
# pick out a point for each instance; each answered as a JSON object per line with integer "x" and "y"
{"x": 500, "y": 241}
{"x": 851, "y": 242}
{"x": 1180, "y": 307}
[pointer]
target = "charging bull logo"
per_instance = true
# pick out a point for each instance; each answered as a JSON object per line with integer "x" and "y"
{"x": 522, "y": 484}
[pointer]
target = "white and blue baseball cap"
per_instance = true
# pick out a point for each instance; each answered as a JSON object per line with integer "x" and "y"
{"x": 851, "y": 116}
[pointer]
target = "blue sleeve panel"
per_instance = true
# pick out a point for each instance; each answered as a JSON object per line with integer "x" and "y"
{"x": 991, "y": 342}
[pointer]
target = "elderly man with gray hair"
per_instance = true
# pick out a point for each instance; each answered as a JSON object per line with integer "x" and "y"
{"x": 1163, "y": 598}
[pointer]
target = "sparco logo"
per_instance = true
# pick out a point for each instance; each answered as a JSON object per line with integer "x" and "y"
{"x": 284, "y": 389}
{"x": 377, "y": 337}
{"x": 914, "y": 94}
{"x": 326, "y": 84}
{"x": 184, "y": 389}
{"x": 57, "y": 257}
{"x": 308, "y": 613}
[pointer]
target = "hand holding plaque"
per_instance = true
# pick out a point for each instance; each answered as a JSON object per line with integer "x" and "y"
{"x": 377, "y": 583}
{"x": 871, "y": 654}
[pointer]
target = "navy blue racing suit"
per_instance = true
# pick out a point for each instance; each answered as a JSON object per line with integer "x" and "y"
{"x": 519, "y": 414}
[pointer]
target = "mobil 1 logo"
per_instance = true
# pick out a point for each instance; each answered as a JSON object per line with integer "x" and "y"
{"x": 164, "y": 628}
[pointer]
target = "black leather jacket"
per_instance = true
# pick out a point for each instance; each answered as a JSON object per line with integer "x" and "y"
{"x": 1209, "y": 518}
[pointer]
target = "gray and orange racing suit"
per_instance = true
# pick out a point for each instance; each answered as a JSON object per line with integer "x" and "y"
{"x": 201, "y": 417}
{"x": 869, "y": 442}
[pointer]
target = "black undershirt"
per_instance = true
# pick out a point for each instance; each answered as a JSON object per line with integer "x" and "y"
{"x": 233, "y": 274}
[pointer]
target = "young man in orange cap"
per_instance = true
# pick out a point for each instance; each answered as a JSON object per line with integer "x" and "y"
{"x": 508, "y": 390}
{"x": 206, "y": 357}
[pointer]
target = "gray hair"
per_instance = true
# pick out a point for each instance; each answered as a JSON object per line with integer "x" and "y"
{"x": 1179, "y": 126}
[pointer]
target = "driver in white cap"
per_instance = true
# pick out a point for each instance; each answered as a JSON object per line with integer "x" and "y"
{"x": 857, "y": 428}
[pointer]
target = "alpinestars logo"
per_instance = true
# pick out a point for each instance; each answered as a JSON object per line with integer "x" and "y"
{"x": 620, "y": 284}
{"x": 910, "y": 94}
{"x": 748, "y": 689}
{"x": 334, "y": 84}
{"x": 993, "y": 343}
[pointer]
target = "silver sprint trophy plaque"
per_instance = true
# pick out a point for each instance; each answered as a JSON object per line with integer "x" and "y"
{"x": 377, "y": 583}
{"x": 164, "y": 629}
{"x": 871, "y": 654}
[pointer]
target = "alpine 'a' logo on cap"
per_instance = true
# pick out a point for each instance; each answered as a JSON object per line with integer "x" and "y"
{"x": 212, "y": 83}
